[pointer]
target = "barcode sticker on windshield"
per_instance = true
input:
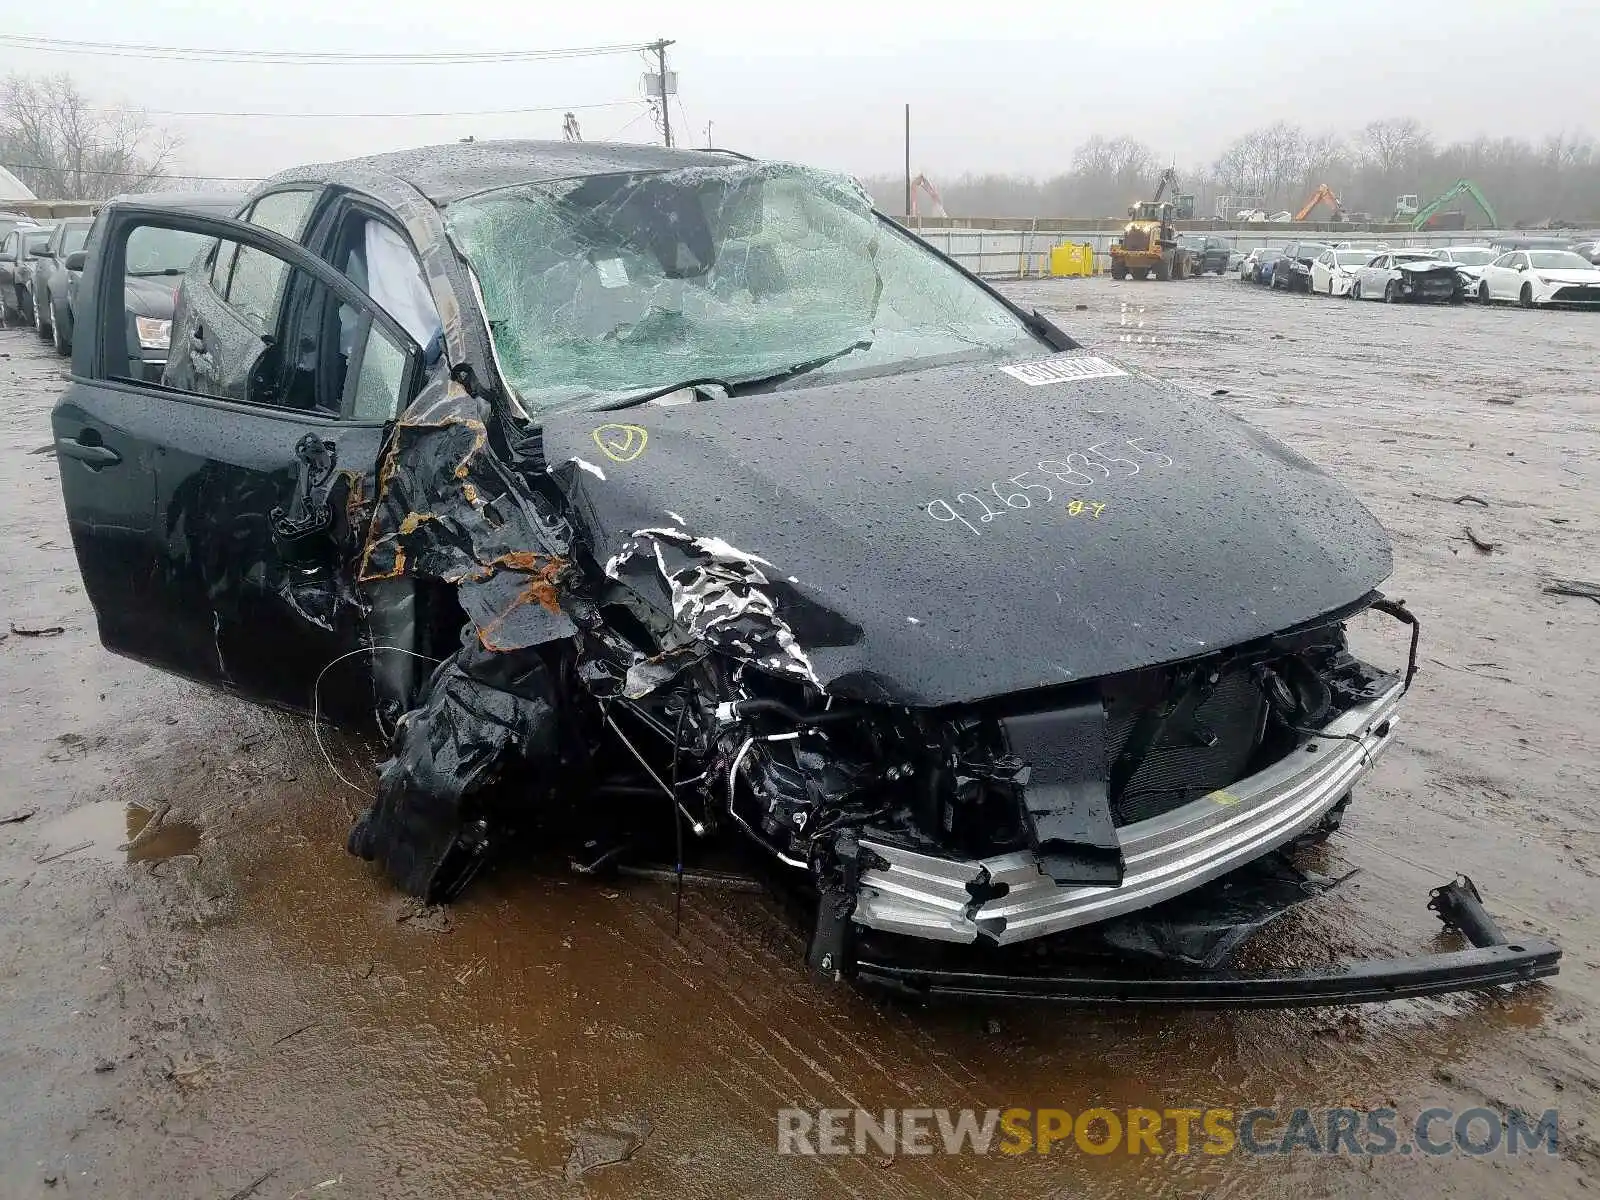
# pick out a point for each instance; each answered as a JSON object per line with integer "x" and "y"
{"x": 1063, "y": 368}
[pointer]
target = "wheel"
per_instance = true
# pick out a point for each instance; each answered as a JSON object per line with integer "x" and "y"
{"x": 1391, "y": 292}
{"x": 1141, "y": 272}
{"x": 40, "y": 325}
{"x": 60, "y": 335}
{"x": 1483, "y": 293}
{"x": 1118, "y": 271}
{"x": 1526, "y": 298}
{"x": 1164, "y": 268}
{"x": 1355, "y": 290}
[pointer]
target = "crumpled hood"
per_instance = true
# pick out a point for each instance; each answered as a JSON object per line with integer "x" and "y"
{"x": 955, "y": 534}
{"x": 1426, "y": 266}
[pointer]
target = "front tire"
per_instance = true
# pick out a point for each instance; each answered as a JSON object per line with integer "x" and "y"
{"x": 40, "y": 325}
{"x": 1391, "y": 292}
{"x": 1355, "y": 290}
{"x": 1526, "y": 298}
{"x": 1118, "y": 271}
{"x": 1483, "y": 293}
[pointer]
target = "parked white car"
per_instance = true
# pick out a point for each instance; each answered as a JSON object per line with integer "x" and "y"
{"x": 1469, "y": 262}
{"x": 1333, "y": 271}
{"x": 1395, "y": 275}
{"x": 1530, "y": 277}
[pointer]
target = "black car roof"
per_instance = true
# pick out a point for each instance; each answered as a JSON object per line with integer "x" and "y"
{"x": 446, "y": 173}
{"x": 220, "y": 202}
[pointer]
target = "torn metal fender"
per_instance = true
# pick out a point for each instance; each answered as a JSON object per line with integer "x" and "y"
{"x": 479, "y": 710}
{"x": 455, "y": 503}
{"x": 455, "y": 500}
{"x": 1492, "y": 959}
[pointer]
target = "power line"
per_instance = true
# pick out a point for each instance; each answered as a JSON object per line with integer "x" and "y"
{"x": 305, "y": 57}
{"x": 48, "y": 169}
{"x": 338, "y": 116}
{"x": 644, "y": 112}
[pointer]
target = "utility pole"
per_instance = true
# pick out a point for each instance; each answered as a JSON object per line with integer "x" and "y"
{"x": 708, "y": 135}
{"x": 660, "y": 48}
{"x": 908, "y": 161}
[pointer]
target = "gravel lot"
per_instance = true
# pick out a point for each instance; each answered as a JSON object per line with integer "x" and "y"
{"x": 236, "y": 1001}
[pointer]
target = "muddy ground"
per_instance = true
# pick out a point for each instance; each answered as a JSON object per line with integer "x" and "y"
{"x": 234, "y": 1001}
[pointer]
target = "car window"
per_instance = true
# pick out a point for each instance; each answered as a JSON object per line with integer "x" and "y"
{"x": 255, "y": 287}
{"x": 275, "y": 344}
{"x": 1519, "y": 261}
{"x": 75, "y": 239}
{"x": 248, "y": 279}
{"x": 9, "y": 248}
{"x": 374, "y": 384}
{"x": 1558, "y": 260}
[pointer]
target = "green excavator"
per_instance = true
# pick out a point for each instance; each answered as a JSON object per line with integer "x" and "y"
{"x": 1430, "y": 216}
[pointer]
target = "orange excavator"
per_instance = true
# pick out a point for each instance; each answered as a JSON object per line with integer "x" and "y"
{"x": 1323, "y": 194}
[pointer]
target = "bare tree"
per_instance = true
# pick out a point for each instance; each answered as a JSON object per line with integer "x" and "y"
{"x": 63, "y": 147}
{"x": 1395, "y": 144}
{"x": 1556, "y": 179}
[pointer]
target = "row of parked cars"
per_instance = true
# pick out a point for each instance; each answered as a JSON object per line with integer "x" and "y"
{"x": 1530, "y": 271}
{"x": 36, "y": 281}
{"x": 41, "y": 262}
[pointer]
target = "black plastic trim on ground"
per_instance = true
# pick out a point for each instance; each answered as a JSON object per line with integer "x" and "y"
{"x": 1358, "y": 983}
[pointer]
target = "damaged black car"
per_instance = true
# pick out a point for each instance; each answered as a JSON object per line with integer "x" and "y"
{"x": 656, "y": 500}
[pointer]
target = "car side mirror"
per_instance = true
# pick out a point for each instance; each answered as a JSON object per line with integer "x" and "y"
{"x": 1522, "y": 266}
{"x": 39, "y": 253}
{"x": 75, "y": 260}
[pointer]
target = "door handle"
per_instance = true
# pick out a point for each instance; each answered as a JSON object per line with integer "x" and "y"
{"x": 94, "y": 453}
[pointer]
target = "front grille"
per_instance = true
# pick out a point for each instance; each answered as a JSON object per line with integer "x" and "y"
{"x": 1577, "y": 294}
{"x": 1178, "y": 767}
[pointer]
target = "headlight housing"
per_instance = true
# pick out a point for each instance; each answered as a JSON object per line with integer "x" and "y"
{"x": 154, "y": 333}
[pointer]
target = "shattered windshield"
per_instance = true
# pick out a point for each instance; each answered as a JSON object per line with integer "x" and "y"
{"x": 612, "y": 285}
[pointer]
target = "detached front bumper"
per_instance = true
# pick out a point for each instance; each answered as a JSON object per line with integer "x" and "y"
{"x": 1492, "y": 959}
{"x": 1008, "y": 899}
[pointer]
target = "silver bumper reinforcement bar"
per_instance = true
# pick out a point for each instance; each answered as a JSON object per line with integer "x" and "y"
{"x": 925, "y": 896}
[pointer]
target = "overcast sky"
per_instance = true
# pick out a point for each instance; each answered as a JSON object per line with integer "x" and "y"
{"x": 1002, "y": 88}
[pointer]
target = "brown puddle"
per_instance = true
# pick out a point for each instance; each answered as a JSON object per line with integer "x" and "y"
{"x": 111, "y": 831}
